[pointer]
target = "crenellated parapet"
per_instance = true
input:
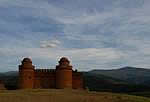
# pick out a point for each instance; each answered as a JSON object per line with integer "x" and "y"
{"x": 77, "y": 73}
{"x": 45, "y": 70}
{"x": 45, "y": 73}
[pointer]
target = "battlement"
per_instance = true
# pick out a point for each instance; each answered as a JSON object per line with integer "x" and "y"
{"x": 44, "y": 70}
{"x": 76, "y": 73}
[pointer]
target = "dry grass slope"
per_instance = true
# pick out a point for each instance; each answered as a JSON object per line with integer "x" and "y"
{"x": 66, "y": 95}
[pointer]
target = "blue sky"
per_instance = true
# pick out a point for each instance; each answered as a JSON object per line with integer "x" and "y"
{"x": 93, "y": 34}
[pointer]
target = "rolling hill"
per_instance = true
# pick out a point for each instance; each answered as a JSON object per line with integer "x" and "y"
{"x": 131, "y": 75}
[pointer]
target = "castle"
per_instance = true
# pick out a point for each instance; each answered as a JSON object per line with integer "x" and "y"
{"x": 61, "y": 77}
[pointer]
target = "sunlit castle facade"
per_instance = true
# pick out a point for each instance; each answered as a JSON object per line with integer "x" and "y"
{"x": 61, "y": 77}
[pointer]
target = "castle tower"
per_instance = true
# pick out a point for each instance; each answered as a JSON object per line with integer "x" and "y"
{"x": 64, "y": 74}
{"x": 26, "y": 74}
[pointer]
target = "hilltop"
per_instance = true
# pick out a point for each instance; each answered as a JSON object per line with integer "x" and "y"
{"x": 131, "y": 75}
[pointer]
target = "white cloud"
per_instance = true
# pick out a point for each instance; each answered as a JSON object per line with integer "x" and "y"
{"x": 77, "y": 56}
{"x": 50, "y": 44}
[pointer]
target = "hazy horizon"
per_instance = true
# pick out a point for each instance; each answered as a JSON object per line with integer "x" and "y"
{"x": 79, "y": 69}
{"x": 93, "y": 34}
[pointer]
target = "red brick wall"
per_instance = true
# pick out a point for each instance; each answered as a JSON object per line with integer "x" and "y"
{"x": 77, "y": 80}
{"x": 63, "y": 78}
{"x": 26, "y": 78}
{"x": 44, "y": 79}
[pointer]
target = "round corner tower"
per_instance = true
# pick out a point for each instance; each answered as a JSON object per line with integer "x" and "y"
{"x": 26, "y": 74}
{"x": 64, "y": 74}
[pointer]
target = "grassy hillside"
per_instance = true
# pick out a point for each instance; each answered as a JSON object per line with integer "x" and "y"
{"x": 66, "y": 96}
{"x": 97, "y": 82}
{"x": 10, "y": 79}
{"x": 129, "y": 74}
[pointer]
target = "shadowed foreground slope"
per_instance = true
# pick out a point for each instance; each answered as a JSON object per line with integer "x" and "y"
{"x": 66, "y": 96}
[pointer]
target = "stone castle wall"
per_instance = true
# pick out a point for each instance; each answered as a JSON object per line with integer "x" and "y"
{"x": 44, "y": 78}
{"x": 61, "y": 77}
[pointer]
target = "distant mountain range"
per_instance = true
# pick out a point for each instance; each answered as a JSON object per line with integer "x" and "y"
{"x": 127, "y": 79}
{"x": 131, "y": 75}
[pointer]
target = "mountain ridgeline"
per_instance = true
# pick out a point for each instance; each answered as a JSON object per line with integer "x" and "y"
{"x": 126, "y": 80}
{"x": 132, "y": 75}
